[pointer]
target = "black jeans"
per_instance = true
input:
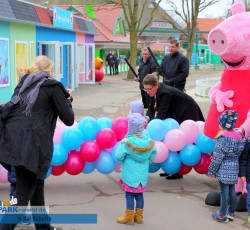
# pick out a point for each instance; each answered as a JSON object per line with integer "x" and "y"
{"x": 111, "y": 69}
{"x": 145, "y": 99}
{"x": 28, "y": 188}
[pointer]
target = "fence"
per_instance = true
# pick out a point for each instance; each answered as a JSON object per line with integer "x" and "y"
{"x": 123, "y": 67}
{"x": 203, "y": 86}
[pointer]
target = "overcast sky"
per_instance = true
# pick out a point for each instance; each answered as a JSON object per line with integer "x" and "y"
{"x": 217, "y": 10}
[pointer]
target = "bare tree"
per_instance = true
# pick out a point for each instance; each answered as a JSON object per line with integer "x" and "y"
{"x": 187, "y": 12}
{"x": 135, "y": 12}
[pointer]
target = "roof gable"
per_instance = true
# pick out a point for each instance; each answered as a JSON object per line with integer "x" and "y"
{"x": 24, "y": 11}
{"x": 207, "y": 24}
{"x": 43, "y": 15}
{"x": 75, "y": 10}
{"x": 6, "y": 9}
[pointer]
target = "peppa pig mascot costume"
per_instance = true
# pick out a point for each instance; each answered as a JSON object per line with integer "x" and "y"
{"x": 231, "y": 41}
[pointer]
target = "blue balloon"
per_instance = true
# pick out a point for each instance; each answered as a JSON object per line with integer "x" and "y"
{"x": 157, "y": 129}
{"x": 60, "y": 155}
{"x": 72, "y": 138}
{"x": 190, "y": 155}
{"x": 205, "y": 143}
{"x": 105, "y": 163}
{"x": 104, "y": 122}
{"x": 49, "y": 171}
{"x": 88, "y": 167}
{"x": 171, "y": 124}
{"x": 89, "y": 128}
{"x": 172, "y": 164}
{"x": 114, "y": 151}
{"x": 154, "y": 167}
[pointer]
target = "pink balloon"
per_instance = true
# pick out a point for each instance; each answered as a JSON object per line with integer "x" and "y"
{"x": 89, "y": 151}
{"x": 118, "y": 168}
{"x": 3, "y": 175}
{"x": 74, "y": 164}
{"x": 120, "y": 127}
{"x": 200, "y": 126}
{"x": 75, "y": 125}
{"x": 175, "y": 140}
{"x": 191, "y": 130}
{"x": 106, "y": 138}
{"x": 60, "y": 127}
{"x": 161, "y": 152}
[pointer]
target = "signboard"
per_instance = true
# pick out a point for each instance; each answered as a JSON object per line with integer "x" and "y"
{"x": 194, "y": 58}
{"x": 62, "y": 18}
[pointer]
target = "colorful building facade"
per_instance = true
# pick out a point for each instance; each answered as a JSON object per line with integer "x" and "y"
{"x": 28, "y": 30}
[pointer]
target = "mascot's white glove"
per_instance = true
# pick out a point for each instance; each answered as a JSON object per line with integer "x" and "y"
{"x": 245, "y": 127}
{"x": 220, "y": 98}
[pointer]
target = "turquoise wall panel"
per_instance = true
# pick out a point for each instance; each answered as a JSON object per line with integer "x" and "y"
{"x": 5, "y": 89}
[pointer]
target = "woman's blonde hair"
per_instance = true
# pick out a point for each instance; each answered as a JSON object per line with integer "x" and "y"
{"x": 41, "y": 63}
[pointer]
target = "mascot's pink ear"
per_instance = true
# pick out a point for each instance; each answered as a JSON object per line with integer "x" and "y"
{"x": 238, "y": 7}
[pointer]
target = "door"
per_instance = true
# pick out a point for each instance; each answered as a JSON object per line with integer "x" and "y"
{"x": 85, "y": 64}
{"x": 53, "y": 51}
{"x": 68, "y": 60}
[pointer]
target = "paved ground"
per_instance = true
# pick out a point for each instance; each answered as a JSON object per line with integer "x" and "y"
{"x": 172, "y": 205}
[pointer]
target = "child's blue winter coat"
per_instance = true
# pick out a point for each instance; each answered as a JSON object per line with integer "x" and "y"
{"x": 136, "y": 154}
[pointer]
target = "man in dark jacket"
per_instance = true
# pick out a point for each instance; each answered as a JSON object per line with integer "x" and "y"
{"x": 168, "y": 102}
{"x": 175, "y": 67}
{"x": 146, "y": 66}
{"x": 110, "y": 59}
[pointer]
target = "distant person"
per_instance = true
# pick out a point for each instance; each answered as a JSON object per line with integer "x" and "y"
{"x": 110, "y": 59}
{"x": 244, "y": 173}
{"x": 136, "y": 153}
{"x": 146, "y": 66}
{"x": 224, "y": 165}
{"x": 27, "y": 140}
{"x": 116, "y": 65}
{"x": 175, "y": 67}
{"x": 169, "y": 102}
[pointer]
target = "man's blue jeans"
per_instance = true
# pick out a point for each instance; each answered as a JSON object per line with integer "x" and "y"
{"x": 248, "y": 198}
{"x": 130, "y": 197}
{"x": 227, "y": 194}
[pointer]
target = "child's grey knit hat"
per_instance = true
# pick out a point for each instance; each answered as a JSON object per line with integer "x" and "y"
{"x": 136, "y": 123}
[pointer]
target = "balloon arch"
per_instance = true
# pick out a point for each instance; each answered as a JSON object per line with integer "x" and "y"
{"x": 91, "y": 145}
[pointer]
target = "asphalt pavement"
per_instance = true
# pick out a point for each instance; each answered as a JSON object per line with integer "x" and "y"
{"x": 171, "y": 205}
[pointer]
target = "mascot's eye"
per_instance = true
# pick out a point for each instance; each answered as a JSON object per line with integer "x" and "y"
{"x": 213, "y": 41}
{"x": 222, "y": 41}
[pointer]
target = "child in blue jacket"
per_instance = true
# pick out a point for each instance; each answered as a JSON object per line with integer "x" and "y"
{"x": 136, "y": 153}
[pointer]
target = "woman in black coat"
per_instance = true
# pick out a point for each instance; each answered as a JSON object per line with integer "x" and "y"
{"x": 169, "y": 102}
{"x": 26, "y": 140}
